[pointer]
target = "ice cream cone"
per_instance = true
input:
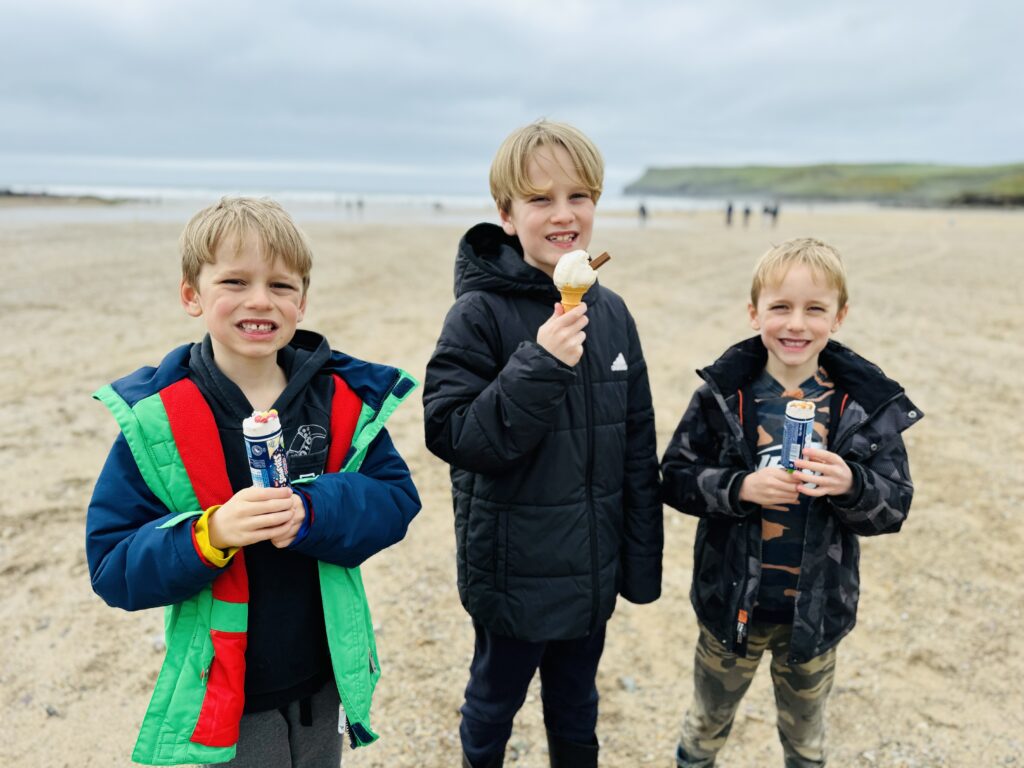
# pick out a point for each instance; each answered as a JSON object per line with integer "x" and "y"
{"x": 572, "y": 295}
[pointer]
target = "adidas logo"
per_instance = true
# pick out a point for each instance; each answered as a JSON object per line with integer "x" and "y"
{"x": 619, "y": 364}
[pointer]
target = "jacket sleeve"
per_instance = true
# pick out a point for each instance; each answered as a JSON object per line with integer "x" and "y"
{"x": 135, "y": 563}
{"x": 882, "y": 490}
{"x": 481, "y": 415}
{"x": 692, "y": 479}
{"x": 643, "y": 529}
{"x": 357, "y": 514}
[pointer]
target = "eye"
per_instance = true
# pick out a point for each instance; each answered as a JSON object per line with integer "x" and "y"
{"x": 777, "y": 307}
{"x": 816, "y": 309}
{"x": 283, "y": 287}
{"x": 581, "y": 196}
{"x": 538, "y": 199}
{"x": 232, "y": 281}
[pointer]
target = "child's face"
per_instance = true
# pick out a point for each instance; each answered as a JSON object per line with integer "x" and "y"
{"x": 559, "y": 220}
{"x": 795, "y": 317}
{"x": 251, "y": 305}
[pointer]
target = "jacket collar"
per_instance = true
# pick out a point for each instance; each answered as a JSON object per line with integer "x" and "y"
{"x": 741, "y": 363}
{"x": 492, "y": 261}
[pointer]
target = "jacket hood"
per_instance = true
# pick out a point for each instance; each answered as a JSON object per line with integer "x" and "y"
{"x": 371, "y": 382}
{"x": 489, "y": 260}
{"x": 743, "y": 362}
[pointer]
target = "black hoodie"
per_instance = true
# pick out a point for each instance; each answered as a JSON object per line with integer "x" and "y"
{"x": 554, "y": 468}
{"x": 286, "y": 657}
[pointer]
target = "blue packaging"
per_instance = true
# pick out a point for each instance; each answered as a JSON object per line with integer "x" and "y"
{"x": 264, "y": 445}
{"x": 796, "y": 431}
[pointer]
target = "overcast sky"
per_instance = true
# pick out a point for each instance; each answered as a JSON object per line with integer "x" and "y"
{"x": 409, "y": 87}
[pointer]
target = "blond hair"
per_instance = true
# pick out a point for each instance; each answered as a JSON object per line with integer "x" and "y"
{"x": 243, "y": 217}
{"x": 820, "y": 257}
{"x": 509, "y": 171}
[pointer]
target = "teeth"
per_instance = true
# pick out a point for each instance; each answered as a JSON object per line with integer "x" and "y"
{"x": 562, "y": 238}
{"x": 257, "y": 327}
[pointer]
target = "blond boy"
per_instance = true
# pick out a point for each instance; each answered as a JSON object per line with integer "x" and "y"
{"x": 545, "y": 418}
{"x": 268, "y": 631}
{"x": 775, "y": 562}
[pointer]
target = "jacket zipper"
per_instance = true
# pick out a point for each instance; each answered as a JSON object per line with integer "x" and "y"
{"x": 739, "y": 629}
{"x": 595, "y": 602}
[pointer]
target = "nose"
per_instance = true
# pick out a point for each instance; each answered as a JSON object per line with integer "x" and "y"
{"x": 258, "y": 296}
{"x": 562, "y": 212}
{"x": 797, "y": 320}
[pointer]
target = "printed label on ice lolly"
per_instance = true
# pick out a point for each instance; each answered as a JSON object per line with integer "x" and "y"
{"x": 264, "y": 445}
{"x": 796, "y": 431}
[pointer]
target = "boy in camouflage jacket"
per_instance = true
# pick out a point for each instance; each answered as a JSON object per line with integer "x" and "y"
{"x": 776, "y": 552}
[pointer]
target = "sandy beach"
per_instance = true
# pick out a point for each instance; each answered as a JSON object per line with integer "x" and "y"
{"x": 930, "y": 676}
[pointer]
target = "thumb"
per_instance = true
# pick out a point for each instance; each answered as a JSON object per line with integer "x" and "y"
{"x": 559, "y": 309}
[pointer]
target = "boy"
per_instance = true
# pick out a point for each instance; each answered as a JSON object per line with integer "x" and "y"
{"x": 775, "y": 560}
{"x": 267, "y": 622}
{"x": 549, "y": 431}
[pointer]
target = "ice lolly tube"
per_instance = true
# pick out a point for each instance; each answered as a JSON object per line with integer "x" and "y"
{"x": 264, "y": 445}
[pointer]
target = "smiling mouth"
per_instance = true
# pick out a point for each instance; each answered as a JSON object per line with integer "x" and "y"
{"x": 794, "y": 343}
{"x": 253, "y": 326}
{"x": 563, "y": 237}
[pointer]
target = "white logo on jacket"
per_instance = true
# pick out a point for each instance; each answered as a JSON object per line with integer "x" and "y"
{"x": 619, "y": 364}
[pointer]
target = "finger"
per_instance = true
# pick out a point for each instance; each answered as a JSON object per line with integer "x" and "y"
{"x": 255, "y": 493}
{"x": 816, "y": 491}
{"x": 559, "y": 310}
{"x": 270, "y": 520}
{"x": 816, "y": 454}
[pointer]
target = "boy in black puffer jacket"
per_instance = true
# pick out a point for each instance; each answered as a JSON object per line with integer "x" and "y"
{"x": 549, "y": 431}
{"x": 775, "y": 560}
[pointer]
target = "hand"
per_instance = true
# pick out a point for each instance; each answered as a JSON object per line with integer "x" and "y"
{"x": 834, "y": 476}
{"x": 298, "y": 516}
{"x": 562, "y": 334}
{"x": 770, "y": 487}
{"x": 251, "y": 515}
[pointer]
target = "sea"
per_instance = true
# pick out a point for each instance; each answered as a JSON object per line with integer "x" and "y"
{"x": 163, "y": 189}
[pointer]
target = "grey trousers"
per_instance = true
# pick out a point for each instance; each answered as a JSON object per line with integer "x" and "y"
{"x": 277, "y": 739}
{"x": 721, "y": 679}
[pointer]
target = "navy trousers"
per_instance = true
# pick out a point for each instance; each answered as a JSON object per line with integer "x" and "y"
{"x": 500, "y": 676}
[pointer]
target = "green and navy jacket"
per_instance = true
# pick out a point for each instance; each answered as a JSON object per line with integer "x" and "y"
{"x": 166, "y": 467}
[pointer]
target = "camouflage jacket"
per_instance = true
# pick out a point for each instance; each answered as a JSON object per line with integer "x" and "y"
{"x": 714, "y": 448}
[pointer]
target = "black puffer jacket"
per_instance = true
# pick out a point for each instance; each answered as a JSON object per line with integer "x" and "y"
{"x": 712, "y": 451}
{"x": 554, "y": 469}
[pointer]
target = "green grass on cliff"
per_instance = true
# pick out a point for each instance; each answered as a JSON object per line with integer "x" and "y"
{"x": 897, "y": 183}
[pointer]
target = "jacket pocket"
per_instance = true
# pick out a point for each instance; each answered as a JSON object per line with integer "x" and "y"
{"x": 225, "y": 692}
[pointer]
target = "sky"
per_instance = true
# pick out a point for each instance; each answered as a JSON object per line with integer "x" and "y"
{"x": 419, "y": 93}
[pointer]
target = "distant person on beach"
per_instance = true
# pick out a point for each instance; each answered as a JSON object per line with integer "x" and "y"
{"x": 549, "y": 431}
{"x": 746, "y": 215}
{"x": 775, "y": 561}
{"x": 267, "y": 627}
{"x": 728, "y": 214}
{"x": 642, "y": 214}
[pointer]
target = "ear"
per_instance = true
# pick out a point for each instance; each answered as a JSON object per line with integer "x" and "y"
{"x": 506, "y": 223}
{"x": 189, "y": 296}
{"x": 840, "y": 316}
{"x": 755, "y": 323}
{"x": 302, "y": 308}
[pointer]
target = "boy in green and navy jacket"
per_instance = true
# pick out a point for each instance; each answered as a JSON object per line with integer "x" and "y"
{"x": 268, "y": 630}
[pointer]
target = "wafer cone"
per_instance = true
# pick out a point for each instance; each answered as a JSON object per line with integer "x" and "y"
{"x": 572, "y": 295}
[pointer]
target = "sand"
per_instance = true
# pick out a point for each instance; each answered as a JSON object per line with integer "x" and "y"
{"x": 930, "y": 676}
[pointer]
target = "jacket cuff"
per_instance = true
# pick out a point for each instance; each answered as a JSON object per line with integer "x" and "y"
{"x": 744, "y": 508}
{"x": 850, "y": 499}
{"x": 211, "y": 555}
{"x": 307, "y": 521}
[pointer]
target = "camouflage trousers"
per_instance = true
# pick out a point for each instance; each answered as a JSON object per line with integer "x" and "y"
{"x": 721, "y": 679}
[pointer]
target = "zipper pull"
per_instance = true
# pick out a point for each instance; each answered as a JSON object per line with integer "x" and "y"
{"x": 741, "y": 632}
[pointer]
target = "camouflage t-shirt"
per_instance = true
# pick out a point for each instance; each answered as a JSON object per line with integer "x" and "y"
{"x": 782, "y": 527}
